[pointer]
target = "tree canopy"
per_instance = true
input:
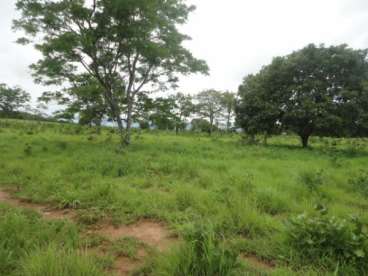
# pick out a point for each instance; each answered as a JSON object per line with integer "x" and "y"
{"x": 308, "y": 91}
{"x": 127, "y": 46}
{"x": 12, "y": 99}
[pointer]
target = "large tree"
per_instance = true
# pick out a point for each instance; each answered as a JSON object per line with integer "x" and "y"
{"x": 308, "y": 90}
{"x": 12, "y": 99}
{"x": 128, "y": 46}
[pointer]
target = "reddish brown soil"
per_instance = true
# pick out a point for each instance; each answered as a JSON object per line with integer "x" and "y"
{"x": 45, "y": 211}
{"x": 149, "y": 232}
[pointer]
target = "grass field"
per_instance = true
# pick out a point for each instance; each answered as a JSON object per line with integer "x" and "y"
{"x": 228, "y": 208}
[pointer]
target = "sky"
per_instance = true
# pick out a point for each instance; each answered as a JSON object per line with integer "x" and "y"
{"x": 235, "y": 37}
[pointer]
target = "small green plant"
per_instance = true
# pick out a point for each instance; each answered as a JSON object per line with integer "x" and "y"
{"x": 62, "y": 145}
{"x": 28, "y": 150}
{"x": 126, "y": 247}
{"x": 327, "y": 241}
{"x": 184, "y": 199}
{"x": 312, "y": 180}
{"x": 360, "y": 182}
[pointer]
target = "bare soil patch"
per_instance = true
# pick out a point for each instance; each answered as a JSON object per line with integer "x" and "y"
{"x": 151, "y": 233}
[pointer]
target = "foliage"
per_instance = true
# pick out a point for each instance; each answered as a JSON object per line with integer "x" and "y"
{"x": 12, "y": 99}
{"x": 128, "y": 47}
{"x": 209, "y": 106}
{"x": 328, "y": 241}
{"x": 360, "y": 183}
{"x": 309, "y": 91}
{"x": 203, "y": 254}
{"x": 312, "y": 180}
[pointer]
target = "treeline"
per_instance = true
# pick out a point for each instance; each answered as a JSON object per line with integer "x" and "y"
{"x": 207, "y": 111}
{"x": 110, "y": 57}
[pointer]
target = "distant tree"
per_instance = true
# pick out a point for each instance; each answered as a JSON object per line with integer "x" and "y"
{"x": 228, "y": 102}
{"x": 12, "y": 99}
{"x": 163, "y": 115}
{"x": 306, "y": 91}
{"x": 184, "y": 107}
{"x": 142, "y": 110}
{"x": 134, "y": 43}
{"x": 209, "y": 106}
{"x": 201, "y": 125}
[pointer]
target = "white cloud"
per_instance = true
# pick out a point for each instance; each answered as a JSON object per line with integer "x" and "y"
{"x": 235, "y": 37}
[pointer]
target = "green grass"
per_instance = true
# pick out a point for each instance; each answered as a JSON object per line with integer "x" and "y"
{"x": 246, "y": 191}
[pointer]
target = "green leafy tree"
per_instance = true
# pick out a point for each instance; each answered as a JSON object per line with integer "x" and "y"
{"x": 209, "y": 106}
{"x": 308, "y": 91}
{"x": 163, "y": 115}
{"x": 127, "y": 46}
{"x": 184, "y": 108}
{"x": 12, "y": 99}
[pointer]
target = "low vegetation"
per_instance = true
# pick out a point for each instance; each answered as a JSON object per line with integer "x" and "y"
{"x": 230, "y": 205}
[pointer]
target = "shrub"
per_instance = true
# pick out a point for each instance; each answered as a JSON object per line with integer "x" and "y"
{"x": 327, "y": 241}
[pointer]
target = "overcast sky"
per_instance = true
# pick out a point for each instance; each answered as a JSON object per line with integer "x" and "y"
{"x": 235, "y": 37}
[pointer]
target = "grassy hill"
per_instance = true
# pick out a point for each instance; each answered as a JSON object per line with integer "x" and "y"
{"x": 230, "y": 208}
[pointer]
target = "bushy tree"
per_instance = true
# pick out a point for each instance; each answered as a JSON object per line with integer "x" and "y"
{"x": 184, "y": 108}
{"x": 127, "y": 46}
{"x": 162, "y": 115}
{"x": 12, "y": 99}
{"x": 306, "y": 92}
{"x": 209, "y": 106}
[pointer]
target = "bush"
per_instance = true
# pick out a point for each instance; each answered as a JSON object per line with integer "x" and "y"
{"x": 328, "y": 241}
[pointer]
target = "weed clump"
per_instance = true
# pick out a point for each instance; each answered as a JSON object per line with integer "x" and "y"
{"x": 203, "y": 254}
{"x": 28, "y": 150}
{"x": 327, "y": 241}
{"x": 312, "y": 180}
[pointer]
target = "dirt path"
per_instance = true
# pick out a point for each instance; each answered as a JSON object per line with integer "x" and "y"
{"x": 151, "y": 233}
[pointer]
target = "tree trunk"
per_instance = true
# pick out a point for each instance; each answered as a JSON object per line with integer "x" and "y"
{"x": 265, "y": 138}
{"x": 211, "y": 125}
{"x": 228, "y": 122}
{"x": 129, "y": 121}
{"x": 115, "y": 112}
{"x": 305, "y": 138}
